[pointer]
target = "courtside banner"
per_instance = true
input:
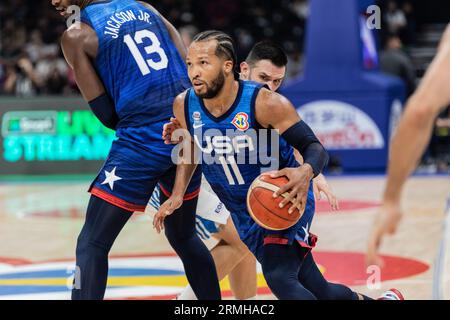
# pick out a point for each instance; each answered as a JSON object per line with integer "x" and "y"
{"x": 51, "y": 136}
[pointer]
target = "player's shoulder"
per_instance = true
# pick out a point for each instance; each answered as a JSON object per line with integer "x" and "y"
{"x": 76, "y": 34}
{"x": 270, "y": 106}
{"x": 181, "y": 98}
{"x": 269, "y": 98}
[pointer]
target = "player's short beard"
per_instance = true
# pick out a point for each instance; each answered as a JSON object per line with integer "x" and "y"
{"x": 216, "y": 86}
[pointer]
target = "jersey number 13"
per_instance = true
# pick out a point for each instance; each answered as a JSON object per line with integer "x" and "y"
{"x": 146, "y": 64}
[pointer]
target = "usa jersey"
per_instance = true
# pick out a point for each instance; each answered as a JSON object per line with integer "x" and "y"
{"x": 235, "y": 150}
{"x": 137, "y": 61}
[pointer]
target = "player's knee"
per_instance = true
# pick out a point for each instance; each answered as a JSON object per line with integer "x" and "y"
{"x": 243, "y": 249}
{"x": 183, "y": 242}
{"x": 337, "y": 292}
{"x": 91, "y": 250}
{"x": 176, "y": 237}
{"x": 278, "y": 279}
{"x": 418, "y": 112}
{"x": 332, "y": 291}
{"x": 273, "y": 277}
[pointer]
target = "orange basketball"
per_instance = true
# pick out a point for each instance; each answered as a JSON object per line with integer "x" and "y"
{"x": 264, "y": 209}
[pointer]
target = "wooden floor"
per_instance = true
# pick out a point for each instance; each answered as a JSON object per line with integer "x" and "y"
{"x": 39, "y": 223}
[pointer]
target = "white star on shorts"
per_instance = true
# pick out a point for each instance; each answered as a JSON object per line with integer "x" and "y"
{"x": 306, "y": 239}
{"x": 111, "y": 178}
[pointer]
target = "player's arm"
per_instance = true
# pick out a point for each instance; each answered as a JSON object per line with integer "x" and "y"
{"x": 432, "y": 95}
{"x": 79, "y": 46}
{"x": 168, "y": 129}
{"x": 275, "y": 111}
{"x": 185, "y": 168}
{"x": 410, "y": 141}
{"x": 173, "y": 32}
{"x": 187, "y": 162}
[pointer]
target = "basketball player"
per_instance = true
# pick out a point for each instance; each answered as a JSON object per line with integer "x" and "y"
{"x": 128, "y": 64}
{"x": 422, "y": 108}
{"x": 212, "y": 110}
{"x": 266, "y": 63}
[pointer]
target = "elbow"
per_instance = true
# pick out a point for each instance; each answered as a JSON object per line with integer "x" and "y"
{"x": 110, "y": 122}
{"x": 418, "y": 114}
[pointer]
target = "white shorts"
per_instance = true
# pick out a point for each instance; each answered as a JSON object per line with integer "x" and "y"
{"x": 211, "y": 213}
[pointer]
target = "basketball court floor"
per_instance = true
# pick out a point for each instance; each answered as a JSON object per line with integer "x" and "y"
{"x": 41, "y": 218}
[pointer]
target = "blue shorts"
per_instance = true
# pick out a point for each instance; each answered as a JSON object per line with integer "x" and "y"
{"x": 256, "y": 236}
{"x": 137, "y": 162}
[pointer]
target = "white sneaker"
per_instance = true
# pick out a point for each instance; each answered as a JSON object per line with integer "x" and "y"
{"x": 392, "y": 294}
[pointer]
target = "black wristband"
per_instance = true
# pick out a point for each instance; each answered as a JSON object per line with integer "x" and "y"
{"x": 316, "y": 156}
{"x": 105, "y": 111}
{"x": 301, "y": 137}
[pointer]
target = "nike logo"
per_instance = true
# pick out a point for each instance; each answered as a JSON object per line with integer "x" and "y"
{"x": 196, "y": 126}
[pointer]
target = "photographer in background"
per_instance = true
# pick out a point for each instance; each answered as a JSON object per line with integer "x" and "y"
{"x": 21, "y": 78}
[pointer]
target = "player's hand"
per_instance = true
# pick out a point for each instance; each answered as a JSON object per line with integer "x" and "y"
{"x": 298, "y": 185}
{"x": 321, "y": 185}
{"x": 168, "y": 129}
{"x": 386, "y": 222}
{"x": 166, "y": 209}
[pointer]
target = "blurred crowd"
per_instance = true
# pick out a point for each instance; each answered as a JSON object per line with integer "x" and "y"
{"x": 399, "y": 18}
{"x": 248, "y": 21}
{"x": 31, "y": 61}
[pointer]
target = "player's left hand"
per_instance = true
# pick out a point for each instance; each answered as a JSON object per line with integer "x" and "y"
{"x": 386, "y": 222}
{"x": 168, "y": 129}
{"x": 166, "y": 209}
{"x": 321, "y": 185}
{"x": 298, "y": 185}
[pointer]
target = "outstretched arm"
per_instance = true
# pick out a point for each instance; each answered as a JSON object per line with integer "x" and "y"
{"x": 432, "y": 95}
{"x": 410, "y": 141}
{"x": 186, "y": 166}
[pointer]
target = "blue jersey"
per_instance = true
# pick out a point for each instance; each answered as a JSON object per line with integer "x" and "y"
{"x": 137, "y": 61}
{"x": 235, "y": 149}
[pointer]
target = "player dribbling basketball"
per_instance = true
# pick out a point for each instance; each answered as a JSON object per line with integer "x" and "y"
{"x": 220, "y": 113}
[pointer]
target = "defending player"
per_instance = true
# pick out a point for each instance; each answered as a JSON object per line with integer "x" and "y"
{"x": 128, "y": 64}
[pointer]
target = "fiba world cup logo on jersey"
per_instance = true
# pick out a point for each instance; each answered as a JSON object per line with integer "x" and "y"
{"x": 240, "y": 121}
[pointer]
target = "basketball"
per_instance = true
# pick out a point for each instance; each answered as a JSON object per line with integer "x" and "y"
{"x": 264, "y": 209}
